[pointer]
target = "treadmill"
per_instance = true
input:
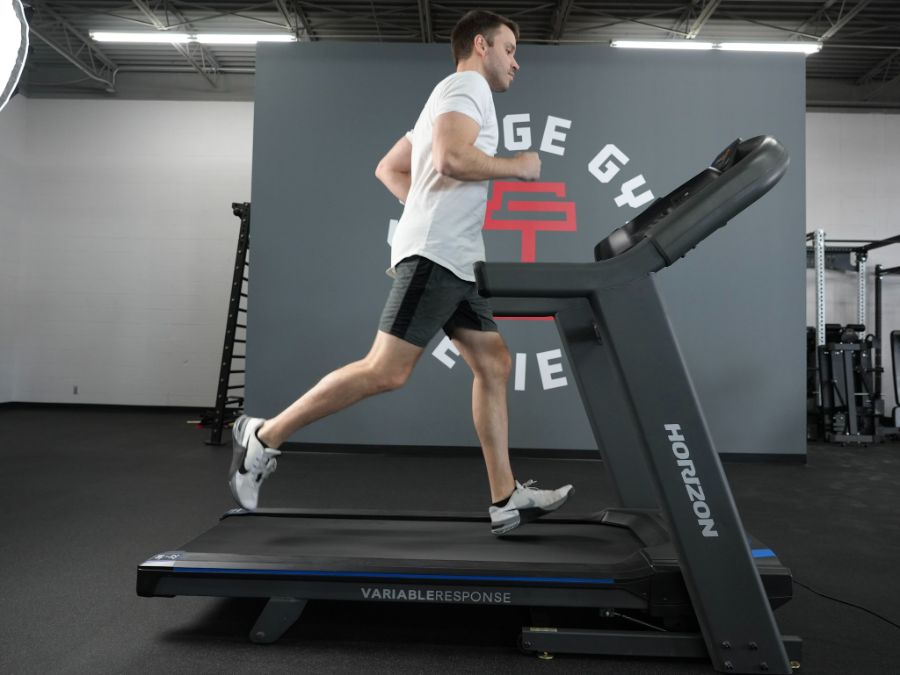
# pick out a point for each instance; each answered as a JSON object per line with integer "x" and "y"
{"x": 671, "y": 552}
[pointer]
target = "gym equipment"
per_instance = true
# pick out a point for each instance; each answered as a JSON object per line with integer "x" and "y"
{"x": 229, "y": 394}
{"x": 844, "y": 401}
{"x": 671, "y": 552}
{"x": 850, "y": 405}
{"x": 895, "y": 361}
{"x": 894, "y": 340}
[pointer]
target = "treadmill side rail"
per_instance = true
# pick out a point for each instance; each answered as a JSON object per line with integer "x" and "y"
{"x": 172, "y": 584}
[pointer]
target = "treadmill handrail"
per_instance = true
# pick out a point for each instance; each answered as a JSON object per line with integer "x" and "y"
{"x": 670, "y": 228}
{"x": 545, "y": 280}
{"x": 760, "y": 164}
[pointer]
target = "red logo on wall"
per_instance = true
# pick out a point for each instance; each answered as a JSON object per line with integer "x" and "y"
{"x": 530, "y": 227}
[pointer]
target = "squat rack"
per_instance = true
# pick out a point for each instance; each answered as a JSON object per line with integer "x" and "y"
{"x": 828, "y": 256}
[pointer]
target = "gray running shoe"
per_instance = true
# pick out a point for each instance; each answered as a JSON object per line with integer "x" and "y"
{"x": 251, "y": 462}
{"x": 526, "y": 504}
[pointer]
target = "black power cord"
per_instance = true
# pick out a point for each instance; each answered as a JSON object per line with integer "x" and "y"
{"x": 849, "y": 604}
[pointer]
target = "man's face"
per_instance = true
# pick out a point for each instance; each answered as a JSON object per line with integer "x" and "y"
{"x": 500, "y": 64}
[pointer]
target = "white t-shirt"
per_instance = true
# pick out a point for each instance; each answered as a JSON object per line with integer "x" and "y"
{"x": 443, "y": 217}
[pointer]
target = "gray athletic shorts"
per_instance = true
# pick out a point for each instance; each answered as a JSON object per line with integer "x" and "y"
{"x": 426, "y": 297}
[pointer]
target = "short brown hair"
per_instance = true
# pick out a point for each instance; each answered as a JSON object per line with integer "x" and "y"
{"x": 477, "y": 22}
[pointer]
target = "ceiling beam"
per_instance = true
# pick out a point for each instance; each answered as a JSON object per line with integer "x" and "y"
{"x": 610, "y": 20}
{"x": 425, "y": 21}
{"x": 882, "y": 65}
{"x": 705, "y": 14}
{"x": 201, "y": 59}
{"x": 684, "y": 20}
{"x": 886, "y": 85}
{"x": 811, "y": 22}
{"x": 288, "y": 16}
{"x": 845, "y": 19}
{"x": 560, "y": 19}
{"x": 296, "y": 18}
{"x": 77, "y": 48}
{"x": 836, "y": 24}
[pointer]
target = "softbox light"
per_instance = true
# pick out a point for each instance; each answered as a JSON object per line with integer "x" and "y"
{"x": 13, "y": 47}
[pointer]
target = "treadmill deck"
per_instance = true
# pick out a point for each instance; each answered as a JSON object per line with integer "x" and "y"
{"x": 290, "y": 553}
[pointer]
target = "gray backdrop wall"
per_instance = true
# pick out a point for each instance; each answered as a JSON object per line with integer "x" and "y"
{"x": 608, "y": 123}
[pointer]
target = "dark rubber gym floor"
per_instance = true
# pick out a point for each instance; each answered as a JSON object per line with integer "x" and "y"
{"x": 89, "y": 493}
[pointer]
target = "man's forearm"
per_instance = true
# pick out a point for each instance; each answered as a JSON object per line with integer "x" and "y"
{"x": 397, "y": 182}
{"x": 468, "y": 163}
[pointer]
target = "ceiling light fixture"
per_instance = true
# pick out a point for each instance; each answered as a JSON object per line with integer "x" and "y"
{"x": 793, "y": 47}
{"x": 230, "y": 39}
{"x": 662, "y": 44}
{"x": 140, "y": 38}
{"x": 182, "y": 38}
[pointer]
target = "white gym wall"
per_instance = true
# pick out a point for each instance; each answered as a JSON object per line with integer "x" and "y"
{"x": 117, "y": 240}
{"x": 121, "y": 241}
{"x": 12, "y": 209}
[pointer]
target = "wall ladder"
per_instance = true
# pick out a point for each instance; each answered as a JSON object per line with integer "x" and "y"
{"x": 230, "y": 394}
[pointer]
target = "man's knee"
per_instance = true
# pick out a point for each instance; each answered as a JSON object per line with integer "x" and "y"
{"x": 494, "y": 363}
{"x": 390, "y": 362}
{"x": 389, "y": 378}
{"x": 504, "y": 363}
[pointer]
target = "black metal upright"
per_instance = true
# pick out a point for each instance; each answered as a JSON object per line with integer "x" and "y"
{"x": 642, "y": 406}
{"x": 692, "y": 488}
{"x": 880, "y": 273}
{"x": 229, "y": 406}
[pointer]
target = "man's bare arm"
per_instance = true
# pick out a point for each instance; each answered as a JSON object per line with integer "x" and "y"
{"x": 455, "y": 154}
{"x": 395, "y": 169}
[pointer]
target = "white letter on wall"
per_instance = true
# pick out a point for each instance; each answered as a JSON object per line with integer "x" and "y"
{"x": 552, "y": 133}
{"x": 443, "y": 350}
{"x": 516, "y": 139}
{"x": 628, "y": 196}
{"x": 520, "y": 371}
{"x": 548, "y": 370}
{"x": 608, "y": 172}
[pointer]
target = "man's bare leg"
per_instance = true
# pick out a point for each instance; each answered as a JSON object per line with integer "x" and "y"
{"x": 486, "y": 354}
{"x": 386, "y": 367}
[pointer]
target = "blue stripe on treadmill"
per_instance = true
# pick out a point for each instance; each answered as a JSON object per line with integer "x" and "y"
{"x": 393, "y": 575}
{"x": 763, "y": 553}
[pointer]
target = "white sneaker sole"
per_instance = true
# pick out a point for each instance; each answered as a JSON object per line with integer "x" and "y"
{"x": 528, "y": 515}
{"x": 234, "y": 493}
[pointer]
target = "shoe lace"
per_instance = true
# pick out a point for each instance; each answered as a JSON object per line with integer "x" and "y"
{"x": 529, "y": 485}
{"x": 270, "y": 468}
{"x": 264, "y": 465}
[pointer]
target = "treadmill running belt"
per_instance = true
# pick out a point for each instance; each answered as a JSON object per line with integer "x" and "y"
{"x": 583, "y": 548}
